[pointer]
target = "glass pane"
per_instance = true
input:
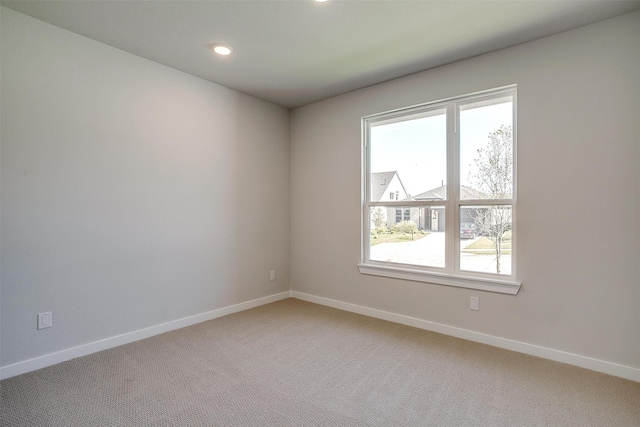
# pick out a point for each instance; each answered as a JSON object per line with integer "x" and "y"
{"x": 485, "y": 238}
{"x": 409, "y": 158}
{"x": 486, "y": 149}
{"x": 407, "y": 235}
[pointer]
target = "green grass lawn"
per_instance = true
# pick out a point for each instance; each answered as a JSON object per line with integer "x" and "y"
{"x": 395, "y": 237}
{"x": 484, "y": 245}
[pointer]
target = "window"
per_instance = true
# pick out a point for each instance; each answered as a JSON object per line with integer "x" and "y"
{"x": 403, "y": 215}
{"x": 455, "y": 163}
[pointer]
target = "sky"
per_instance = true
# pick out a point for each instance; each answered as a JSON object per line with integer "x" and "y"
{"x": 416, "y": 148}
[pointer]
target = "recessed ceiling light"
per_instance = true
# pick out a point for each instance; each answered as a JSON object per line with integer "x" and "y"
{"x": 320, "y": 1}
{"x": 221, "y": 49}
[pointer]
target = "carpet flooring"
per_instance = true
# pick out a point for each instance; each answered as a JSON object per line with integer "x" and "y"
{"x": 293, "y": 363}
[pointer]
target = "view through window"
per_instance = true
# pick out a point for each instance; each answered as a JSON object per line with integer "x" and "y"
{"x": 440, "y": 181}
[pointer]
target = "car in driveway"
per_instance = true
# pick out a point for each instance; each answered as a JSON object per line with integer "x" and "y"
{"x": 468, "y": 230}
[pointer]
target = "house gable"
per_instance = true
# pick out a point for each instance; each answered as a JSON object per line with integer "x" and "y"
{"x": 385, "y": 184}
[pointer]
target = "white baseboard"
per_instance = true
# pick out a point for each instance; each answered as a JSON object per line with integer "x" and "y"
{"x": 597, "y": 365}
{"x": 93, "y": 347}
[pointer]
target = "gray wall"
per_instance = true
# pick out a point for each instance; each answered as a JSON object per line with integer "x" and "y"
{"x": 132, "y": 194}
{"x": 578, "y": 208}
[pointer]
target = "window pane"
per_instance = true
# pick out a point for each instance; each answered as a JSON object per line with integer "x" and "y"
{"x": 408, "y": 235}
{"x": 486, "y": 149}
{"x": 408, "y": 157}
{"x": 485, "y": 238}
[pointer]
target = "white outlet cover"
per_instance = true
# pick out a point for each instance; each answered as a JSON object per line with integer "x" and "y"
{"x": 45, "y": 320}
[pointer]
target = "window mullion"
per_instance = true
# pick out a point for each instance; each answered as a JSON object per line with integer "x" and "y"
{"x": 452, "y": 189}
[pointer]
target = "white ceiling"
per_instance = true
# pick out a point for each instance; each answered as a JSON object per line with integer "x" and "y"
{"x": 295, "y": 52}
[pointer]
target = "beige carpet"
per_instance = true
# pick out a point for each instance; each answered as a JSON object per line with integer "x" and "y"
{"x": 293, "y": 363}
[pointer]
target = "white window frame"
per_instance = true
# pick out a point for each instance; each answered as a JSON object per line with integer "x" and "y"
{"x": 451, "y": 274}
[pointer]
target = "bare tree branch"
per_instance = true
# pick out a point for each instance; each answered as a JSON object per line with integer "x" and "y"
{"x": 493, "y": 178}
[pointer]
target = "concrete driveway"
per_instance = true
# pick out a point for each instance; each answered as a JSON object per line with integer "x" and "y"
{"x": 429, "y": 251}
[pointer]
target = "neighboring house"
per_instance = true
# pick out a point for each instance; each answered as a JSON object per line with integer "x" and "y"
{"x": 387, "y": 186}
{"x": 432, "y": 217}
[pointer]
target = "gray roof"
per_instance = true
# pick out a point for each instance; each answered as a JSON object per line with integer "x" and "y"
{"x": 440, "y": 193}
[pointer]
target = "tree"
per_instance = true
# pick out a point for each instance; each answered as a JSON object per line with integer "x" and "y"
{"x": 379, "y": 217}
{"x": 493, "y": 178}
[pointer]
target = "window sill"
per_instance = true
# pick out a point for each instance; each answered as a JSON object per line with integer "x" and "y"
{"x": 480, "y": 283}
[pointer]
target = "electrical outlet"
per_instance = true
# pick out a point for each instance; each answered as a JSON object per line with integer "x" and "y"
{"x": 45, "y": 320}
{"x": 272, "y": 275}
{"x": 473, "y": 303}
